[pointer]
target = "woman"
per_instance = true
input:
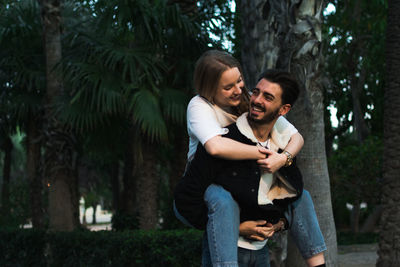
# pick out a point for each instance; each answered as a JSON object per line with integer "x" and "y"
{"x": 222, "y": 97}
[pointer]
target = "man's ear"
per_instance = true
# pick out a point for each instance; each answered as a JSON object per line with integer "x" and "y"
{"x": 284, "y": 109}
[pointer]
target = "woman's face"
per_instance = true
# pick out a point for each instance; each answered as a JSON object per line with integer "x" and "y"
{"x": 229, "y": 89}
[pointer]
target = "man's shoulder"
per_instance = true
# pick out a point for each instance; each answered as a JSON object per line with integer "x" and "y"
{"x": 235, "y": 134}
{"x": 233, "y": 131}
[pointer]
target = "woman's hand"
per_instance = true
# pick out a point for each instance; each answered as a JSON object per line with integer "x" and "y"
{"x": 257, "y": 230}
{"x": 273, "y": 162}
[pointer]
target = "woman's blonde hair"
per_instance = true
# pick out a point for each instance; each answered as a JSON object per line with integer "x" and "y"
{"x": 208, "y": 72}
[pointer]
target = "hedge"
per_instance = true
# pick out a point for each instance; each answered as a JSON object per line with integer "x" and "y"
{"x": 27, "y": 247}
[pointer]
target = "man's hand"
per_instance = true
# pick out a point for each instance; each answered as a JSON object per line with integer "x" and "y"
{"x": 257, "y": 230}
{"x": 273, "y": 162}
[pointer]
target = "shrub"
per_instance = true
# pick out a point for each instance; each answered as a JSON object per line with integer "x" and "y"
{"x": 103, "y": 248}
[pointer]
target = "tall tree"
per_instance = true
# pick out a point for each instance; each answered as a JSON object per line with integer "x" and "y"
{"x": 354, "y": 58}
{"x": 287, "y": 35}
{"x": 133, "y": 66}
{"x": 59, "y": 145}
{"x": 22, "y": 86}
{"x": 389, "y": 238}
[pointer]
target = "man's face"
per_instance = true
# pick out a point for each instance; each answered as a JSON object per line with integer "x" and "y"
{"x": 265, "y": 102}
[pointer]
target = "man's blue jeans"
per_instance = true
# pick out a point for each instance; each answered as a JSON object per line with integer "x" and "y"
{"x": 256, "y": 258}
{"x": 245, "y": 257}
{"x": 220, "y": 239}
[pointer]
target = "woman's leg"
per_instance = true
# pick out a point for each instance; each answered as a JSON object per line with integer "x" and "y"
{"x": 222, "y": 226}
{"x": 305, "y": 230}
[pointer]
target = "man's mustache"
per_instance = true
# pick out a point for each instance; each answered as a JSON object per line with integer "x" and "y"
{"x": 257, "y": 106}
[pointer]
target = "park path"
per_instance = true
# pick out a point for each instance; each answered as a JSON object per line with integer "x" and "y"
{"x": 358, "y": 255}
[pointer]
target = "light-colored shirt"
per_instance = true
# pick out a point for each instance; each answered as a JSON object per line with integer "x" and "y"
{"x": 266, "y": 178}
{"x": 206, "y": 120}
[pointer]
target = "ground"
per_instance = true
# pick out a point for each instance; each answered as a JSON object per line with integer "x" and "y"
{"x": 358, "y": 255}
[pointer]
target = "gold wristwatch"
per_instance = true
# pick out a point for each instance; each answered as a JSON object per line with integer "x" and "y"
{"x": 289, "y": 159}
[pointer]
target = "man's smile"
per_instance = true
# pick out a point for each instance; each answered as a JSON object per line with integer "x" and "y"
{"x": 257, "y": 108}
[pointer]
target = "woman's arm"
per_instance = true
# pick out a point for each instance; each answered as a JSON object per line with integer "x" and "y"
{"x": 223, "y": 147}
{"x": 203, "y": 124}
{"x": 275, "y": 161}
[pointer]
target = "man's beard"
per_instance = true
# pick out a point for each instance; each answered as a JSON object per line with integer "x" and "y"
{"x": 266, "y": 119}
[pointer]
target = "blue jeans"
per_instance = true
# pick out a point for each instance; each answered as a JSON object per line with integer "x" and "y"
{"x": 256, "y": 258}
{"x": 246, "y": 257}
{"x": 222, "y": 234}
{"x": 304, "y": 227}
{"x": 223, "y": 227}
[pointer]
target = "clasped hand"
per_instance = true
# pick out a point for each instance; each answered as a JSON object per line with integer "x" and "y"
{"x": 273, "y": 161}
{"x": 258, "y": 230}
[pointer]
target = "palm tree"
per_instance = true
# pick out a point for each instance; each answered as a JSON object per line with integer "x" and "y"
{"x": 132, "y": 64}
{"x": 390, "y": 231}
{"x": 63, "y": 199}
{"x": 22, "y": 86}
{"x": 287, "y": 35}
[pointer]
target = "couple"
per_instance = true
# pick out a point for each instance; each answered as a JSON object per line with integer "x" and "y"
{"x": 222, "y": 167}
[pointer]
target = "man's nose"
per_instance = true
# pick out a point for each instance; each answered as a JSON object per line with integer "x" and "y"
{"x": 257, "y": 99}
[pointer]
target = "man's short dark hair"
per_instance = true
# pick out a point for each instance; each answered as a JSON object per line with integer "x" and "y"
{"x": 289, "y": 85}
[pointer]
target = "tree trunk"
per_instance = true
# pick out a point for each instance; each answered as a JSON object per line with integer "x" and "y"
{"x": 147, "y": 188}
{"x": 94, "y": 221}
{"x": 75, "y": 189}
{"x": 355, "y": 216}
{"x": 371, "y": 221}
{"x": 128, "y": 204}
{"x": 287, "y": 35}
{"x": 389, "y": 238}
{"x": 115, "y": 187}
{"x": 84, "y": 221}
{"x": 33, "y": 156}
{"x": 58, "y": 160}
{"x": 358, "y": 50}
{"x": 5, "y": 190}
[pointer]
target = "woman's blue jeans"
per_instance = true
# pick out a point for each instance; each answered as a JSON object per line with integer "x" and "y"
{"x": 220, "y": 239}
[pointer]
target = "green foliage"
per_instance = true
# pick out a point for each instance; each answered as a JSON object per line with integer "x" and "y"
{"x": 358, "y": 170}
{"x": 19, "y": 205}
{"x": 121, "y": 221}
{"x": 348, "y": 238}
{"x": 22, "y": 247}
{"x": 122, "y": 61}
{"x": 84, "y": 248}
{"x": 22, "y": 73}
{"x": 354, "y": 53}
{"x": 355, "y": 172}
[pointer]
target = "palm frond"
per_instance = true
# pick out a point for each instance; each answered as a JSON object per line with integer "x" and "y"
{"x": 174, "y": 103}
{"x": 147, "y": 114}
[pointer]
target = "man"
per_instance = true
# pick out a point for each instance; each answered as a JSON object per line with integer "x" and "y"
{"x": 261, "y": 196}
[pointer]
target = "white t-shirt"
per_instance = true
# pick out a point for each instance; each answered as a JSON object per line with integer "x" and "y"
{"x": 204, "y": 121}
